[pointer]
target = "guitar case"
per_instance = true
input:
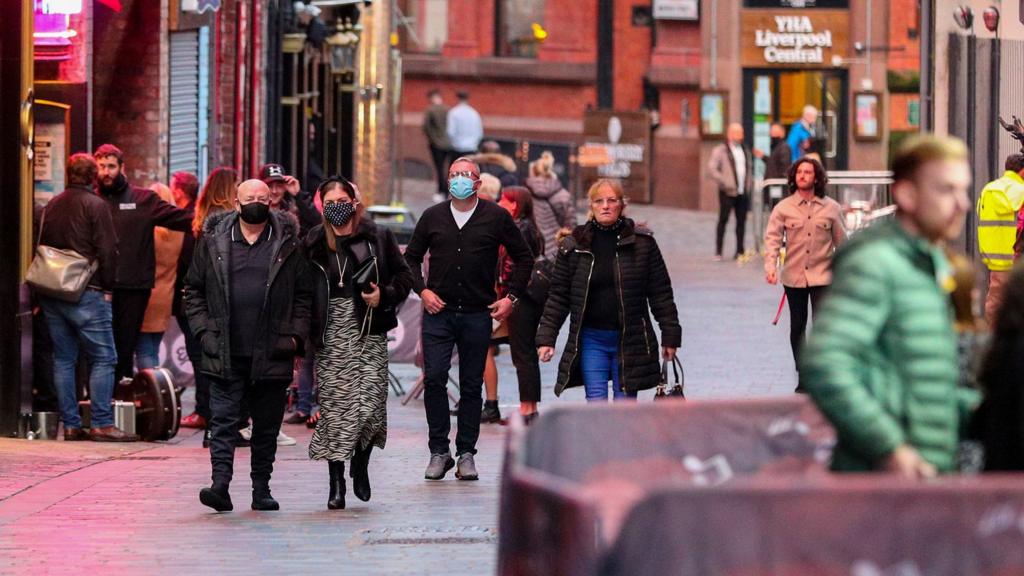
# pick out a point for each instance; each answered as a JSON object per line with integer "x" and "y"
{"x": 157, "y": 409}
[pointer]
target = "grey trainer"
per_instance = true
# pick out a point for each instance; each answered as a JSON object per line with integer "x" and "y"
{"x": 439, "y": 465}
{"x": 467, "y": 468}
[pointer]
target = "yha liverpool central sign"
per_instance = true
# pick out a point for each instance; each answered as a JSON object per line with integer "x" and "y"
{"x": 794, "y": 38}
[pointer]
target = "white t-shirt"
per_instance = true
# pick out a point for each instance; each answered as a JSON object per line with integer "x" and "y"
{"x": 740, "y": 159}
{"x": 462, "y": 217}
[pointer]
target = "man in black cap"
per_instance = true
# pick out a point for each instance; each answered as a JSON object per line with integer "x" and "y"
{"x": 286, "y": 194}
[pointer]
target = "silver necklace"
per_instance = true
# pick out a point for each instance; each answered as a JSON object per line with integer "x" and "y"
{"x": 341, "y": 281}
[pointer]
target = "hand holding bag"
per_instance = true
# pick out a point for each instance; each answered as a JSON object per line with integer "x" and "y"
{"x": 663, "y": 392}
{"x": 63, "y": 274}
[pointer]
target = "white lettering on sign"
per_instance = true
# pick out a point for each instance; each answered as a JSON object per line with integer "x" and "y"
{"x": 794, "y": 41}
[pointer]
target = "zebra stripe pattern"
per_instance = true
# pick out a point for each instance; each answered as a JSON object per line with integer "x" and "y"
{"x": 352, "y": 375}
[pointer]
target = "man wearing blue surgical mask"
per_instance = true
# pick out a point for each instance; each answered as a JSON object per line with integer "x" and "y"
{"x": 462, "y": 236}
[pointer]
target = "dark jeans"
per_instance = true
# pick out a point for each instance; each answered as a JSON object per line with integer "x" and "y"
{"x": 727, "y": 204}
{"x": 86, "y": 325}
{"x": 304, "y": 405}
{"x": 798, "y": 299}
{"x": 599, "y": 363}
{"x": 194, "y": 349}
{"x": 442, "y": 332}
{"x": 440, "y": 158}
{"x": 129, "y": 310}
{"x": 522, "y": 340}
{"x": 266, "y": 404}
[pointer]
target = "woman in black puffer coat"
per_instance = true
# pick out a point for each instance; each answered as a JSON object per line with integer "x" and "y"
{"x": 608, "y": 279}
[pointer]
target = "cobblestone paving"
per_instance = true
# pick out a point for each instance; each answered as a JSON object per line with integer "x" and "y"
{"x": 130, "y": 509}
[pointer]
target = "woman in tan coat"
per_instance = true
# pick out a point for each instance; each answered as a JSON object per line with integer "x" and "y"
{"x": 167, "y": 246}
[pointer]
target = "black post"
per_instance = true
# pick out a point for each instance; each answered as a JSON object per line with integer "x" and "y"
{"x": 994, "y": 162}
{"x": 15, "y": 320}
{"x": 926, "y": 111}
{"x": 605, "y": 53}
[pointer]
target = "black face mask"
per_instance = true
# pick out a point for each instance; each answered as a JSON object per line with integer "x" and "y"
{"x": 775, "y": 141}
{"x": 255, "y": 213}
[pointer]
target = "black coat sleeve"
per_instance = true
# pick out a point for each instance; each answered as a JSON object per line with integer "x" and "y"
{"x": 309, "y": 216}
{"x": 303, "y": 303}
{"x": 105, "y": 237}
{"x": 416, "y": 250}
{"x": 196, "y": 306}
{"x": 519, "y": 252}
{"x": 398, "y": 286}
{"x": 556, "y": 309}
{"x": 662, "y": 299}
{"x": 170, "y": 216}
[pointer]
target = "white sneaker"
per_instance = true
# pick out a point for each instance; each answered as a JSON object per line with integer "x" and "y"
{"x": 246, "y": 433}
{"x": 285, "y": 440}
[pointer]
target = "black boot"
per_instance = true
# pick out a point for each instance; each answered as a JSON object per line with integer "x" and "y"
{"x": 490, "y": 414}
{"x": 216, "y": 497}
{"x": 262, "y": 500}
{"x": 359, "y": 471}
{"x": 336, "y": 499}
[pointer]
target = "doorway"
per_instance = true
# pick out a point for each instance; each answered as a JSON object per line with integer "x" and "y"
{"x": 772, "y": 95}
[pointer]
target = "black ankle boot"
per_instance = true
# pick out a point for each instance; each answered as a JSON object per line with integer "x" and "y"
{"x": 336, "y": 499}
{"x": 359, "y": 471}
{"x": 491, "y": 414}
{"x": 216, "y": 497}
{"x": 263, "y": 501}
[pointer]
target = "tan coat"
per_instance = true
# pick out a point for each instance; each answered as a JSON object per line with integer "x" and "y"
{"x": 813, "y": 230}
{"x": 167, "y": 247}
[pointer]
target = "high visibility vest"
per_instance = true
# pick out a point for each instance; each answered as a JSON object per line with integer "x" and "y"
{"x": 997, "y": 220}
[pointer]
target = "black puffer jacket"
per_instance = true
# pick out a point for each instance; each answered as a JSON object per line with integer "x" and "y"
{"x": 284, "y": 321}
{"x": 641, "y": 280}
{"x": 393, "y": 277}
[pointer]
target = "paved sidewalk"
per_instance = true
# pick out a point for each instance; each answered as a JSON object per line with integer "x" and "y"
{"x": 88, "y": 508}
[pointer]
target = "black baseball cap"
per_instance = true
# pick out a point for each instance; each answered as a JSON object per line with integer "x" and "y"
{"x": 272, "y": 173}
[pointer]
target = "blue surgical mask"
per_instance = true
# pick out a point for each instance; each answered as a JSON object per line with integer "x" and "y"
{"x": 460, "y": 187}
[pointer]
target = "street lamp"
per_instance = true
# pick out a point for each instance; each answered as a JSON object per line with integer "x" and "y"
{"x": 344, "y": 43}
{"x": 991, "y": 18}
{"x": 964, "y": 16}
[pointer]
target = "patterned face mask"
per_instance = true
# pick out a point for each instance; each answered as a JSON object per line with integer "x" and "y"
{"x": 339, "y": 213}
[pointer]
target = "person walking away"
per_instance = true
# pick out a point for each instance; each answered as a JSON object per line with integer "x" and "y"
{"x": 78, "y": 220}
{"x": 136, "y": 212}
{"x": 490, "y": 190}
{"x": 778, "y": 163}
{"x": 465, "y": 128}
{"x": 553, "y": 208}
{"x": 492, "y": 161}
{"x": 881, "y": 361}
{"x": 731, "y": 166}
{"x": 801, "y": 133}
{"x": 435, "y": 128}
{"x": 811, "y": 226}
{"x": 349, "y": 324}
{"x": 522, "y": 324}
{"x": 248, "y": 295}
{"x": 609, "y": 273}
{"x": 998, "y": 424}
{"x": 1000, "y": 202}
{"x": 217, "y": 196}
{"x": 462, "y": 237}
{"x": 167, "y": 247}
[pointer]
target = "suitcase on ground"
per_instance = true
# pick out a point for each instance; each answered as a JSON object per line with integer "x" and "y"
{"x": 157, "y": 411}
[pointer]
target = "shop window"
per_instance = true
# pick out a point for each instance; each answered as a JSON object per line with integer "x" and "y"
{"x": 429, "y": 20}
{"x": 519, "y": 27}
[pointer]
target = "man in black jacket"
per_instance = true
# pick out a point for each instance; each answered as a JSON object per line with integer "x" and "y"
{"x": 77, "y": 220}
{"x": 136, "y": 211}
{"x": 248, "y": 298}
{"x": 463, "y": 237}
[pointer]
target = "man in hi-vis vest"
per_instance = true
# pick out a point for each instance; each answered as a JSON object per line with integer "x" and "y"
{"x": 997, "y": 228}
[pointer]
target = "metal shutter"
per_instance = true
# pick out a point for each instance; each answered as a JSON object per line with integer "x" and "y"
{"x": 183, "y": 153}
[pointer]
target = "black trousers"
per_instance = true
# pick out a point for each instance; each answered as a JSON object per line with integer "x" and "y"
{"x": 726, "y": 204}
{"x": 522, "y": 340}
{"x": 442, "y": 332}
{"x": 266, "y": 404}
{"x": 194, "y": 349}
{"x": 798, "y": 299}
{"x": 440, "y": 158}
{"x": 129, "y": 307}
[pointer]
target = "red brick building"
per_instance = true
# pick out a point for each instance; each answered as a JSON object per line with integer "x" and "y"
{"x": 669, "y": 56}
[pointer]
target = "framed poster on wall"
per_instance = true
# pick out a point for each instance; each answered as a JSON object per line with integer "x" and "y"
{"x": 714, "y": 112}
{"x": 867, "y": 116}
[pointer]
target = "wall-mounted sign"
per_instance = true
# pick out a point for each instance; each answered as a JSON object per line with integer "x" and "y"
{"x": 617, "y": 145}
{"x": 867, "y": 120}
{"x": 200, "y": 6}
{"x": 677, "y": 10}
{"x": 714, "y": 110}
{"x": 773, "y": 38}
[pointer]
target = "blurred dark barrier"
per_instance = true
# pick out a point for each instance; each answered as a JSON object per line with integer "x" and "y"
{"x": 734, "y": 488}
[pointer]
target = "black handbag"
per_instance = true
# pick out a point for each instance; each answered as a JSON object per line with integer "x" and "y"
{"x": 365, "y": 274}
{"x": 539, "y": 285}
{"x": 663, "y": 391}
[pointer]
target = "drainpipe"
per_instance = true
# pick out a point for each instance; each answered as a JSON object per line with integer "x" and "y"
{"x": 713, "y": 81}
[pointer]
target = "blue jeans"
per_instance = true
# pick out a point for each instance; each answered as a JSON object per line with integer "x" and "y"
{"x": 147, "y": 350}
{"x": 305, "y": 401}
{"x": 599, "y": 363}
{"x": 442, "y": 332}
{"x": 89, "y": 324}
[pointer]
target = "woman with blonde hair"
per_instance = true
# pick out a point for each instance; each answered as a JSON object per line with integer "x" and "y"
{"x": 553, "y": 207}
{"x": 609, "y": 277}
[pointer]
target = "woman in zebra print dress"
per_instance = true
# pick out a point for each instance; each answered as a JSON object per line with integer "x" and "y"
{"x": 350, "y": 323}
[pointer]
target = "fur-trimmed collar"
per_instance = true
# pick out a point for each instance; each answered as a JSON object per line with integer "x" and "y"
{"x": 495, "y": 158}
{"x": 222, "y": 222}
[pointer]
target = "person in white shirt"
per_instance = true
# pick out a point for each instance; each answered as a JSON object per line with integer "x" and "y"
{"x": 731, "y": 166}
{"x": 465, "y": 128}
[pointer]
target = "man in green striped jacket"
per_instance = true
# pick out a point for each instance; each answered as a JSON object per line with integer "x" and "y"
{"x": 881, "y": 362}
